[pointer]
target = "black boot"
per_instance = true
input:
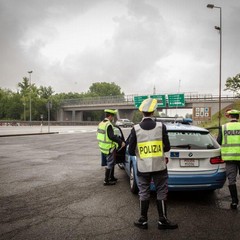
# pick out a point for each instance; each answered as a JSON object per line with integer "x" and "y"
{"x": 163, "y": 222}
{"x": 107, "y": 176}
{"x": 142, "y": 221}
{"x": 112, "y": 178}
{"x": 234, "y": 195}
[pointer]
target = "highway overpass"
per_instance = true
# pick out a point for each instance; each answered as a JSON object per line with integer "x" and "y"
{"x": 203, "y": 106}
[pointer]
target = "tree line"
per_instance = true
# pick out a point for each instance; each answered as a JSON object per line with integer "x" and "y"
{"x": 16, "y": 105}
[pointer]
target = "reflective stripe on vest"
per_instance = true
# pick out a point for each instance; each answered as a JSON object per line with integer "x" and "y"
{"x": 230, "y": 149}
{"x": 149, "y": 150}
{"x": 104, "y": 142}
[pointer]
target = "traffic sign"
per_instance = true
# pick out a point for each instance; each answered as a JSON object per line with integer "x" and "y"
{"x": 161, "y": 99}
{"x": 176, "y": 100}
{"x": 138, "y": 100}
{"x": 201, "y": 113}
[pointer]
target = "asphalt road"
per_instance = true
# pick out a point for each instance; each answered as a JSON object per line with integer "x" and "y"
{"x": 51, "y": 187}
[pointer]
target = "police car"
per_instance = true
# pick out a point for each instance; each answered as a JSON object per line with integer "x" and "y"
{"x": 194, "y": 161}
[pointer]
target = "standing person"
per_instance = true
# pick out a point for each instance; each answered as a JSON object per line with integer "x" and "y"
{"x": 229, "y": 139}
{"x": 148, "y": 141}
{"x": 108, "y": 144}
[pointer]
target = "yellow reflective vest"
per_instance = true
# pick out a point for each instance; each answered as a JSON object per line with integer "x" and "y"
{"x": 230, "y": 149}
{"x": 104, "y": 142}
{"x": 149, "y": 149}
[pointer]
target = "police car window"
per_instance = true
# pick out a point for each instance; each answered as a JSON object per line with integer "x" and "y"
{"x": 191, "y": 140}
{"x": 118, "y": 132}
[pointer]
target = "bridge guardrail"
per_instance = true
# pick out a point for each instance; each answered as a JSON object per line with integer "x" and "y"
{"x": 130, "y": 99}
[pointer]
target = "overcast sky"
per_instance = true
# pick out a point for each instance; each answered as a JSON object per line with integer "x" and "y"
{"x": 138, "y": 44}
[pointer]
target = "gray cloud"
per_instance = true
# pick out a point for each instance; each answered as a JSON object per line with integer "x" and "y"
{"x": 154, "y": 43}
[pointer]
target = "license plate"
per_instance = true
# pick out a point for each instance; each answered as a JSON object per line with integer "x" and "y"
{"x": 189, "y": 163}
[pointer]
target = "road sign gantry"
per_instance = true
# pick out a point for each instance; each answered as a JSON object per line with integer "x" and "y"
{"x": 173, "y": 100}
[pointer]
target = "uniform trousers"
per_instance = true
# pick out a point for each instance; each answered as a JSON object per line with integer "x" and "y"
{"x": 103, "y": 159}
{"x": 232, "y": 169}
{"x": 160, "y": 179}
{"x": 108, "y": 160}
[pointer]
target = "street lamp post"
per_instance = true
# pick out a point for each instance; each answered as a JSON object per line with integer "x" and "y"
{"x": 219, "y": 28}
{"x": 30, "y": 98}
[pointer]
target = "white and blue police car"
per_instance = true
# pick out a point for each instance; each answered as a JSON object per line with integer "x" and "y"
{"x": 194, "y": 161}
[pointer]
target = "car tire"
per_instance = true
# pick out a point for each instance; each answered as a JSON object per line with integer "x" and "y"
{"x": 133, "y": 184}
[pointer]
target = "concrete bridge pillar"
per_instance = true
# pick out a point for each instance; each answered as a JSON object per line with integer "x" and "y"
{"x": 60, "y": 116}
{"x": 73, "y": 115}
{"x": 79, "y": 116}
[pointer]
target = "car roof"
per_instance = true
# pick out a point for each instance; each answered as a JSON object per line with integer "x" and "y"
{"x": 181, "y": 125}
{"x": 184, "y": 127}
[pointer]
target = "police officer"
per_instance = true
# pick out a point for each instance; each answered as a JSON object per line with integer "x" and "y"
{"x": 148, "y": 141}
{"x": 229, "y": 139}
{"x": 108, "y": 143}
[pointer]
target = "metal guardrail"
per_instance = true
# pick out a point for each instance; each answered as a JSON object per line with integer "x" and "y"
{"x": 97, "y": 100}
{"x": 189, "y": 97}
{"x": 45, "y": 123}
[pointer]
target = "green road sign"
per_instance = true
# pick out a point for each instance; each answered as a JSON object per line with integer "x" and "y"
{"x": 161, "y": 100}
{"x": 176, "y": 100}
{"x": 138, "y": 100}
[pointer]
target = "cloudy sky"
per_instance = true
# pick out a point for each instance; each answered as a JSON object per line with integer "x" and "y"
{"x": 138, "y": 44}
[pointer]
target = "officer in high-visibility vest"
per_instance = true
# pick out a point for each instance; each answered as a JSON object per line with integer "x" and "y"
{"x": 229, "y": 139}
{"x": 148, "y": 142}
{"x": 108, "y": 143}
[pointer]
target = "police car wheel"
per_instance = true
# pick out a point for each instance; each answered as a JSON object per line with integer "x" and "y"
{"x": 133, "y": 184}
